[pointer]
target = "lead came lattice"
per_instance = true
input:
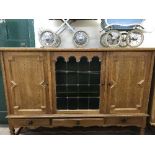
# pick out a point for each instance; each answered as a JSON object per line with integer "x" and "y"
{"x": 77, "y": 83}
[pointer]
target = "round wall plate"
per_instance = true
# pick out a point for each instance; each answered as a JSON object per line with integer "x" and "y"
{"x": 80, "y": 38}
{"x": 57, "y": 41}
{"x": 47, "y": 38}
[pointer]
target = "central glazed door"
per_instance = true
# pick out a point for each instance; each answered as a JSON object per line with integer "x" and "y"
{"x": 79, "y": 80}
{"x": 27, "y": 82}
{"x": 128, "y": 81}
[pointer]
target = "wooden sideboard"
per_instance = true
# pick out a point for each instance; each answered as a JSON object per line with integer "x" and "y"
{"x": 77, "y": 87}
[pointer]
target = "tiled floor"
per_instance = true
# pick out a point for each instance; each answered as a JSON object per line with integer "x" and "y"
{"x": 80, "y": 131}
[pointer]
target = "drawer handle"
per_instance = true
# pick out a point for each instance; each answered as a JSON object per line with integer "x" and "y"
{"x": 30, "y": 122}
{"x": 123, "y": 120}
{"x": 78, "y": 123}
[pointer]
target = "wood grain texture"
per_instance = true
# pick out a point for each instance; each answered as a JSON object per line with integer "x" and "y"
{"x": 128, "y": 81}
{"x": 78, "y": 115}
{"x": 85, "y": 122}
{"x": 30, "y": 122}
{"x": 135, "y": 121}
{"x": 77, "y": 55}
{"x": 27, "y": 82}
{"x": 76, "y": 50}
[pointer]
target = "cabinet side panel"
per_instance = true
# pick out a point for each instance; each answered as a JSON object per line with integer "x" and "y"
{"x": 152, "y": 98}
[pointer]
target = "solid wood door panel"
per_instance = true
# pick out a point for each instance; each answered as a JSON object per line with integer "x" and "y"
{"x": 152, "y": 98}
{"x": 128, "y": 81}
{"x": 27, "y": 82}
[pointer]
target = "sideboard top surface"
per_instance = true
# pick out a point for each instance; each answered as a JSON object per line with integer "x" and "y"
{"x": 77, "y": 49}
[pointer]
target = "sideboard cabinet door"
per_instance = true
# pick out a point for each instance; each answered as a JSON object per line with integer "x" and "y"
{"x": 27, "y": 82}
{"x": 128, "y": 81}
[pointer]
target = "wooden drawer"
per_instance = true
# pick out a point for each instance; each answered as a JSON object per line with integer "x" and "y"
{"x": 78, "y": 122}
{"x": 92, "y": 122}
{"x": 63, "y": 122}
{"x": 30, "y": 122}
{"x": 123, "y": 121}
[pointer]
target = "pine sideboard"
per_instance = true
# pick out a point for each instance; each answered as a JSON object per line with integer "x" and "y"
{"x": 77, "y": 87}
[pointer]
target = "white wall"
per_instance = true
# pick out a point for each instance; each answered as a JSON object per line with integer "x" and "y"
{"x": 92, "y": 27}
